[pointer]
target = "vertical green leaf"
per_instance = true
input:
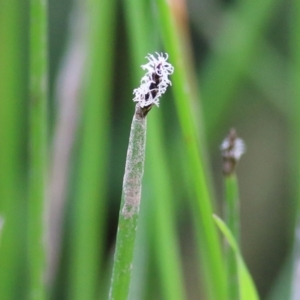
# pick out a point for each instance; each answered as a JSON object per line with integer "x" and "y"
{"x": 12, "y": 95}
{"x": 176, "y": 44}
{"x": 38, "y": 145}
{"x": 90, "y": 210}
{"x": 295, "y": 127}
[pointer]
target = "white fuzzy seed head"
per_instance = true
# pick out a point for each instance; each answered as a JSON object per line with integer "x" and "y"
{"x": 155, "y": 82}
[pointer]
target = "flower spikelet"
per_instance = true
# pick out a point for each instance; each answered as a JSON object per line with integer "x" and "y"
{"x": 232, "y": 149}
{"x": 155, "y": 82}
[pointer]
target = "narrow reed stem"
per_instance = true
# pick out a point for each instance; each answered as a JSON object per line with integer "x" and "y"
{"x": 129, "y": 211}
{"x": 295, "y": 157}
{"x": 232, "y": 149}
{"x": 13, "y": 92}
{"x": 38, "y": 145}
{"x": 232, "y": 205}
{"x": 232, "y": 217}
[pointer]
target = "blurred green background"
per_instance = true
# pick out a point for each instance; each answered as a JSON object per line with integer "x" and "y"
{"x": 243, "y": 58}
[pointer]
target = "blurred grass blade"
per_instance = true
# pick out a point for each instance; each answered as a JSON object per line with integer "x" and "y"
{"x": 295, "y": 129}
{"x": 38, "y": 146}
{"x": 12, "y": 188}
{"x": 246, "y": 285}
{"x": 139, "y": 29}
{"x": 90, "y": 210}
{"x": 68, "y": 89}
{"x": 164, "y": 227}
{"x": 176, "y": 43}
{"x": 130, "y": 207}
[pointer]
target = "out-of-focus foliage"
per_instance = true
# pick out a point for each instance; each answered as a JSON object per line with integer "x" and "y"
{"x": 242, "y": 63}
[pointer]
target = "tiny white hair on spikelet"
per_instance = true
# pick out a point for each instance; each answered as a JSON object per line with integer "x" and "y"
{"x": 155, "y": 82}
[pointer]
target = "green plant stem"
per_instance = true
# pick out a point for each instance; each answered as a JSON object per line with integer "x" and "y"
{"x": 38, "y": 146}
{"x": 139, "y": 282}
{"x": 87, "y": 240}
{"x": 12, "y": 91}
{"x": 129, "y": 210}
{"x": 233, "y": 222}
{"x": 186, "y": 98}
{"x": 232, "y": 205}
